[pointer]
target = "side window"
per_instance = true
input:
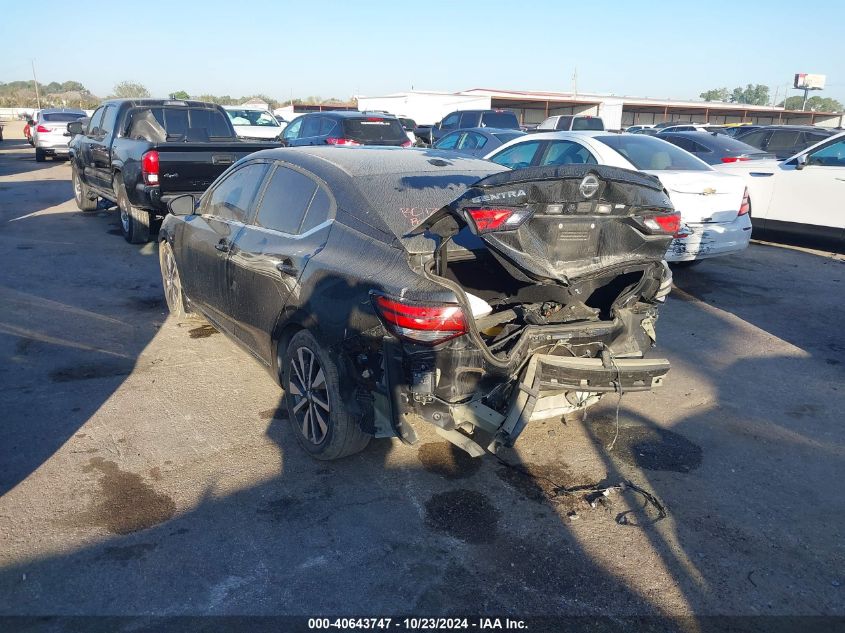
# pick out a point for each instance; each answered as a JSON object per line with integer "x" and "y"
{"x": 449, "y": 141}
{"x": 783, "y": 140}
{"x": 327, "y": 125}
{"x": 109, "y": 119}
{"x": 468, "y": 119}
{"x": 567, "y": 153}
{"x": 755, "y": 139}
{"x": 517, "y": 156}
{"x": 698, "y": 148}
{"x": 564, "y": 123}
{"x": 310, "y": 127}
{"x": 472, "y": 140}
{"x": 451, "y": 121}
{"x": 832, "y": 155}
{"x": 292, "y": 130}
{"x": 683, "y": 143}
{"x": 232, "y": 198}
{"x": 94, "y": 123}
{"x": 285, "y": 201}
{"x": 318, "y": 211}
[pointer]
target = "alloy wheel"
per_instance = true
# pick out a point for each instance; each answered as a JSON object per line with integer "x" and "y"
{"x": 172, "y": 283}
{"x": 307, "y": 386}
{"x": 77, "y": 188}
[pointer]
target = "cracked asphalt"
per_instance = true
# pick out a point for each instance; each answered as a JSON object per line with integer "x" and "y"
{"x": 146, "y": 467}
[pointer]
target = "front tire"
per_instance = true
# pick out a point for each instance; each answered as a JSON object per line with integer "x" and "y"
{"x": 134, "y": 222}
{"x": 172, "y": 282}
{"x": 81, "y": 192}
{"x": 318, "y": 417}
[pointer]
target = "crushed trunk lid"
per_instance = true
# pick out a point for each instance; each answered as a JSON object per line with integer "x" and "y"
{"x": 553, "y": 224}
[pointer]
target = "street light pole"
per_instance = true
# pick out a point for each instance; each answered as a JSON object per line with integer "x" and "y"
{"x": 37, "y": 94}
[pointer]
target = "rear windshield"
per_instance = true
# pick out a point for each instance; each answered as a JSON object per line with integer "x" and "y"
{"x": 647, "y": 152}
{"x": 587, "y": 123}
{"x": 374, "y": 129}
{"x": 159, "y": 125}
{"x": 500, "y": 119}
{"x": 62, "y": 117}
{"x": 258, "y": 118}
{"x": 504, "y": 137}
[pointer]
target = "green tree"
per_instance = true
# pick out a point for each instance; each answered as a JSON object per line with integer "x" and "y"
{"x": 716, "y": 94}
{"x": 180, "y": 94}
{"x": 130, "y": 90}
{"x": 752, "y": 95}
{"x": 819, "y": 104}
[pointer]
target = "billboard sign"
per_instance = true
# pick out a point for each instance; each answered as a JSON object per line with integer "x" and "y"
{"x": 805, "y": 81}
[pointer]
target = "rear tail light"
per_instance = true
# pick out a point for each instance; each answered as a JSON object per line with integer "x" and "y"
{"x": 745, "y": 205}
{"x": 487, "y": 220}
{"x": 665, "y": 223}
{"x": 150, "y": 167}
{"x": 43, "y": 130}
{"x": 341, "y": 142}
{"x": 734, "y": 159}
{"x": 428, "y": 324}
{"x": 407, "y": 143}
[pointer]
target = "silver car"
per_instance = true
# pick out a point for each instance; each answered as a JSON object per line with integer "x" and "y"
{"x": 49, "y": 132}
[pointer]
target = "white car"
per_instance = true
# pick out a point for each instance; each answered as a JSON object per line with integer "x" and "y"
{"x": 254, "y": 123}
{"x": 637, "y": 128}
{"x": 803, "y": 195}
{"x": 713, "y": 204}
{"x": 48, "y": 133}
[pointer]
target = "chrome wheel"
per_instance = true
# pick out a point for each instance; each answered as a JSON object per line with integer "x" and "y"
{"x": 307, "y": 385}
{"x": 123, "y": 204}
{"x": 172, "y": 283}
{"x": 77, "y": 188}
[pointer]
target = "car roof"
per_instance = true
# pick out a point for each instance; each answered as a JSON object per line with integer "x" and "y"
{"x": 159, "y": 102}
{"x": 59, "y": 110}
{"x": 489, "y": 130}
{"x": 796, "y": 127}
{"x": 542, "y": 136}
{"x": 350, "y": 114}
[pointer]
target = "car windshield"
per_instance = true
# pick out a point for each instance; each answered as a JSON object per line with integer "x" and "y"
{"x": 505, "y": 137}
{"x": 259, "y": 118}
{"x": 649, "y": 153}
{"x": 368, "y": 129}
{"x": 62, "y": 117}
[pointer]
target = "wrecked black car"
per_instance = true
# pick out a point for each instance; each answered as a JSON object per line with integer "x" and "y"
{"x": 385, "y": 288}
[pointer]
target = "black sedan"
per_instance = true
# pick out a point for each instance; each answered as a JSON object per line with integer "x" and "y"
{"x": 476, "y": 141}
{"x": 714, "y": 148}
{"x": 784, "y": 141}
{"x": 385, "y": 288}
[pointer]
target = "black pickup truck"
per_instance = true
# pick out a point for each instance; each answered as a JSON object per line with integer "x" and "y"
{"x": 141, "y": 153}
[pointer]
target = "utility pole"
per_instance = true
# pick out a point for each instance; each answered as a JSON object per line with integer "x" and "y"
{"x": 37, "y": 95}
{"x": 575, "y": 83}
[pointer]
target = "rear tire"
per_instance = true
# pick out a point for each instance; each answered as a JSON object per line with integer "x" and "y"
{"x": 40, "y": 156}
{"x": 134, "y": 222}
{"x": 82, "y": 193}
{"x": 172, "y": 282}
{"x": 318, "y": 417}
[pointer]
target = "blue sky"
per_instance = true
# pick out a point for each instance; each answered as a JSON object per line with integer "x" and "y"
{"x": 337, "y": 49}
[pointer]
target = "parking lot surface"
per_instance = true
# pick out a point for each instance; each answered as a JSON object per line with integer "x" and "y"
{"x": 146, "y": 467}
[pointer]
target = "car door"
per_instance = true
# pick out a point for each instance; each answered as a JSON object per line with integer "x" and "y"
{"x": 473, "y": 144}
{"x": 86, "y": 160}
{"x": 310, "y": 132}
{"x": 810, "y": 198}
{"x": 208, "y": 236}
{"x": 268, "y": 257}
{"x": 101, "y": 148}
{"x": 447, "y": 125}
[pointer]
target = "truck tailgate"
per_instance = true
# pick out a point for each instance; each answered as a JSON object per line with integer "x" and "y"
{"x": 192, "y": 167}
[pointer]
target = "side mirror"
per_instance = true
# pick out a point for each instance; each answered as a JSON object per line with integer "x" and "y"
{"x": 801, "y": 161}
{"x": 182, "y": 205}
{"x": 74, "y": 128}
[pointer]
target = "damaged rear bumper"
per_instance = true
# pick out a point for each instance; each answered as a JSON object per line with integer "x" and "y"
{"x": 547, "y": 386}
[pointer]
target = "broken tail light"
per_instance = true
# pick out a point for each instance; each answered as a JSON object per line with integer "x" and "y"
{"x": 665, "y": 223}
{"x": 150, "y": 167}
{"x": 745, "y": 205}
{"x": 501, "y": 219}
{"x": 341, "y": 142}
{"x": 428, "y": 324}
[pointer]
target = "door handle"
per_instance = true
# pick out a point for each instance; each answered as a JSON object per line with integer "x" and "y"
{"x": 286, "y": 267}
{"x": 222, "y": 247}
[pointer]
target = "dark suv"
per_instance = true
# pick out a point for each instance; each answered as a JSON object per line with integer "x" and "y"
{"x": 784, "y": 141}
{"x": 463, "y": 119}
{"x": 345, "y": 128}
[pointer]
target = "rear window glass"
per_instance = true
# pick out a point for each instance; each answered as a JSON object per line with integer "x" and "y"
{"x": 584, "y": 123}
{"x": 504, "y": 137}
{"x": 285, "y": 201}
{"x": 62, "y": 117}
{"x": 374, "y": 129}
{"x": 252, "y": 117}
{"x": 647, "y": 152}
{"x": 173, "y": 124}
{"x": 499, "y": 119}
